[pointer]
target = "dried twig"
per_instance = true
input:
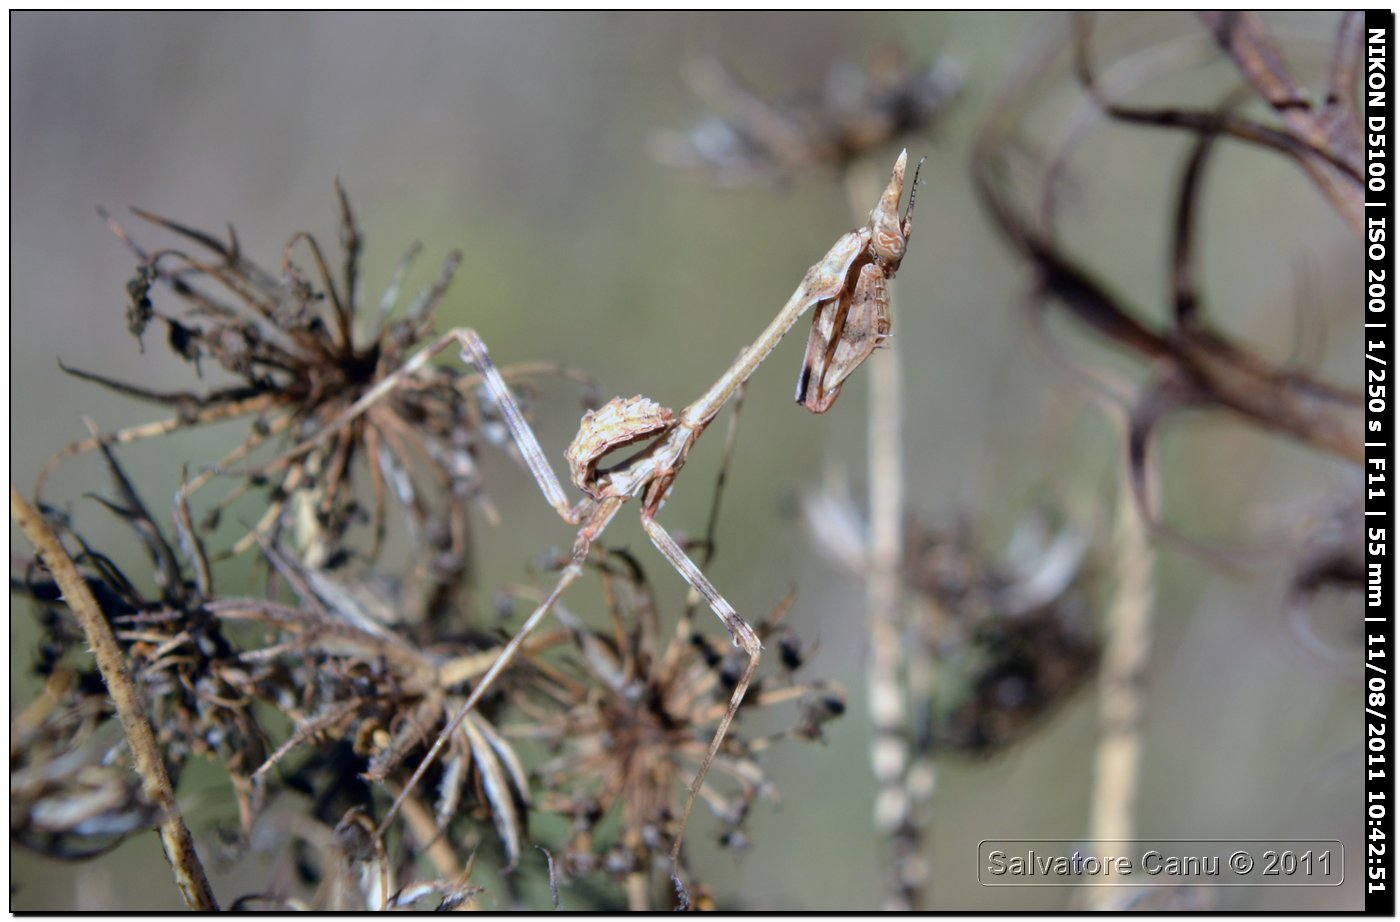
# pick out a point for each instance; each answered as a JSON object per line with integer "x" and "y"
{"x": 175, "y": 836}
{"x": 754, "y": 140}
{"x": 897, "y": 818}
{"x": 1122, "y": 689}
{"x": 1194, "y": 366}
{"x": 1324, "y": 140}
{"x": 1329, "y": 135}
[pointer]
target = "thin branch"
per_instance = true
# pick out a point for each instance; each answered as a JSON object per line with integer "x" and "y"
{"x": 1279, "y": 399}
{"x": 1122, "y": 691}
{"x": 1335, "y": 142}
{"x": 896, "y": 813}
{"x": 155, "y": 780}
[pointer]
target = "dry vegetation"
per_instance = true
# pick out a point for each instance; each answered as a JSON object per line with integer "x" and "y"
{"x": 570, "y": 766}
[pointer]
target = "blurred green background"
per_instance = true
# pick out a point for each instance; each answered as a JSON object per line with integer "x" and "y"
{"x": 523, "y": 140}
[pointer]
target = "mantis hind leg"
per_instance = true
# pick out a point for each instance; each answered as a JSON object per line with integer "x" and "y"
{"x": 744, "y": 636}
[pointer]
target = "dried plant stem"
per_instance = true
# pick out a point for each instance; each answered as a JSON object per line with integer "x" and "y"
{"x": 174, "y": 834}
{"x": 638, "y": 887}
{"x": 896, "y": 810}
{"x": 430, "y": 839}
{"x": 1121, "y": 686}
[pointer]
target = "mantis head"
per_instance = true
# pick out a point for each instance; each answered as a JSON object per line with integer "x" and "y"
{"x": 889, "y": 233}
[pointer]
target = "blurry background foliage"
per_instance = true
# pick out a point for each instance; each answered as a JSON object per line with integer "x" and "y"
{"x": 523, "y": 140}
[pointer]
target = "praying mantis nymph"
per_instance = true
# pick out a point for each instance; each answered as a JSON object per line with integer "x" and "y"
{"x": 847, "y": 290}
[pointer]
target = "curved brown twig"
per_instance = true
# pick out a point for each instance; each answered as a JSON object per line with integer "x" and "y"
{"x": 1325, "y": 141}
{"x": 1222, "y": 373}
{"x": 155, "y": 780}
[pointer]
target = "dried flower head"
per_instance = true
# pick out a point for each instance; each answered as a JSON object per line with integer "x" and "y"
{"x": 1012, "y": 637}
{"x": 313, "y": 707}
{"x": 1013, "y": 640}
{"x": 629, "y": 719}
{"x": 860, "y": 109}
{"x": 303, "y": 700}
{"x": 303, "y": 350}
{"x": 73, "y": 794}
{"x": 350, "y": 870}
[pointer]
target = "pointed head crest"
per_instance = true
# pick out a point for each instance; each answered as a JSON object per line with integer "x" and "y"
{"x": 889, "y": 233}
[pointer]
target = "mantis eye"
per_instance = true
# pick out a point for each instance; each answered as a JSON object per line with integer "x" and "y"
{"x": 888, "y": 245}
{"x": 886, "y": 229}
